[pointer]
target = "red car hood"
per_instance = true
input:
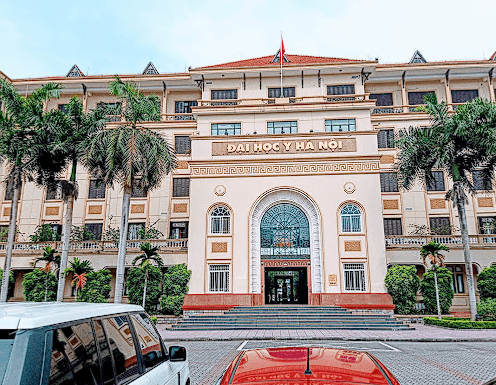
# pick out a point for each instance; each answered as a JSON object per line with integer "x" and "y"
{"x": 286, "y": 366}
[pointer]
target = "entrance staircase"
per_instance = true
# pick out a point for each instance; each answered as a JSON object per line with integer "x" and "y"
{"x": 289, "y": 317}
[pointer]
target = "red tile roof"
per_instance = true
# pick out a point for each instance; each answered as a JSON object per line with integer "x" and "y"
{"x": 267, "y": 61}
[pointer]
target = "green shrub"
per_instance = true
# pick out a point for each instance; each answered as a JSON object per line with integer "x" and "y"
{"x": 136, "y": 284}
{"x": 175, "y": 288}
{"x": 487, "y": 309}
{"x": 39, "y": 286}
{"x": 428, "y": 290}
{"x": 154, "y": 319}
{"x": 460, "y": 324}
{"x": 402, "y": 284}
{"x": 486, "y": 282}
{"x": 97, "y": 288}
{"x": 44, "y": 233}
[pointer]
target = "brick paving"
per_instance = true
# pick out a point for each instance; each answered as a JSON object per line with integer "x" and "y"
{"x": 420, "y": 333}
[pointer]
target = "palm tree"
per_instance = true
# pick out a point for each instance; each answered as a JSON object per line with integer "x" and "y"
{"x": 432, "y": 250}
{"x": 130, "y": 155}
{"x": 145, "y": 261}
{"x": 71, "y": 139}
{"x": 79, "y": 270}
{"x": 457, "y": 143}
{"x": 24, "y": 147}
{"x": 50, "y": 258}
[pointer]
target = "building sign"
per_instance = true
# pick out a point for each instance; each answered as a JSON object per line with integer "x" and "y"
{"x": 325, "y": 145}
{"x": 333, "y": 280}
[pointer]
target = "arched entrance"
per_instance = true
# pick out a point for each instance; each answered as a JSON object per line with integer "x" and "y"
{"x": 285, "y": 247}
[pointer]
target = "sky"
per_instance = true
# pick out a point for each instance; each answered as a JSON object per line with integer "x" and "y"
{"x": 45, "y": 38}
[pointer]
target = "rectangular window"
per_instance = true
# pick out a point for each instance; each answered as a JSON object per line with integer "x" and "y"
{"x": 96, "y": 229}
{"x": 179, "y": 230}
{"x": 53, "y": 193}
{"x": 74, "y": 356}
{"x": 218, "y": 278}
{"x": 479, "y": 182}
{"x": 63, "y": 108}
{"x": 133, "y": 231}
{"x": 9, "y": 192}
{"x": 224, "y": 94}
{"x": 487, "y": 225}
{"x": 180, "y": 187}
{"x": 440, "y": 225}
{"x": 354, "y": 276}
{"x": 385, "y": 138}
{"x": 382, "y": 99}
{"x": 138, "y": 191}
{"x": 57, "y": 229}
{"x": 182, "y": 144}
{"x": 389, "y": 182}
{"x": 226, "y": 129}
{"x": 184, "y": 107}
{"x": 96, "y": 190}
{"x": 288, "y": 92}
{"x": 392, "y": 226}
{"x": 340, "y": 125}
{"x": 282, "y": 127}
{"x": 108, "y": 375}
{"x": 437, "y": 184}
{"x": 346, "y": 89}
{"x": 123, "y": 348}
{"x": 417, "y": 98}
{"x": 463, "y": 96}
{"x": 149, "y": 339}
{"x": 457, "y": 283}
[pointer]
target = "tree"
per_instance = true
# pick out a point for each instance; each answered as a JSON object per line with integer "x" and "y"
{"x": 79, "y": 270}
{"x": 71, "y": 140}
{"x": 135, "y": 283}
{"x": 131, "y": 155}
{"x": 44, "y": 233}
{"x": 486, "y": 281}
{"x": 51, "y": 260}
{"x": 145, "y": 260}
{"x": 432, "y": 251}
{"x": 445, "y": 290}
{"x": 11, "y": 279}
{"x": 25, "y": 148}
{"x": 175, "y": 288}
{"x": 40, "y": 286}
{"x": 457, "y": 143}
{"x": 97, "y": 288}
{"x": 402, "y": 284}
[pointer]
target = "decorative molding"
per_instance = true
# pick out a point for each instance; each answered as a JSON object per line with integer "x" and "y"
{"x": 182, "y": 165}
{"x": 95, "y": 209}
{"x": 219, "y": 247}
{"x": 349, "y": 187}
{"x": 220, "y": 190}
{"x": 180, "y": 207}
{"x": 387, "y": 159}
{"x": 286, "y": 169}
{"x": 333, "y": 279}
{"x": 284, "y": 263}
{"x": 352, "y": 246}
{"x": 137, "y": 209}
{"x": 485, "y": 202}
{"x": 51, "y": 211}
{"x": 6, "y": 211}
{"x": 437, "y": 204}
{"x": 390, "y": 204}
{"x": 301, "y": 200}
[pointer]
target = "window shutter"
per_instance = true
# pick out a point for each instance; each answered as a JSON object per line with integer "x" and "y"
{"x": 224, "y": 94}
{"x": 463, "y": 96}
{"x": 440, "y": 225}
{"x": 180, "y": 187}
{"x": 416, "y": 98}
{"x": 96, "y": 229}
{"x": 96, "y": 190}
{"x": 385, "y": 138}
{"x": 392, "y": 226}
{"x": 389, "y": 182}
{"x": 347, "y": 89}
{"x": 438, "y": 183}
{"x": 182, "y": 144}
{"x": 382, "y": 99}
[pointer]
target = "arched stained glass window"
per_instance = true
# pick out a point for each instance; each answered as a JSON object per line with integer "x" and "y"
{"x": 220, "y": 220}
{"x": 284, "y": 233}
{"x": 351, "y": 219}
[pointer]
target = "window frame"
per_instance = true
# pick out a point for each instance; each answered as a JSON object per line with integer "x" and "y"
{"x": 479, "y": 182}
{"x": 393, "y": 227}
{"x": 460, "y": 92}
{"x": 179, "y": 189}
{"x": 378, "y": 96}
{"x": 363, "y": 277}
{"x": 438, "y": 218}
{"x": 236, "y": 129}
{"x": 336, "y": 87}
{"x": 221, "y": 220}
{"x": 187, "y": 152}
{"x": 228, "y": 274}
{"x": 350, "y": 216}
{"x": 456, "y": 275}
{"x": 90, "y": 181}
{"x": 277, "y": 90}
{"x": 430, "y": 188}
{"x": 389, "y": 182}
{"x": 293, "y": 124}
{"x": 388, "y": 140}
{"x": 330, "y": 121}
{"x": 233, "y": 90}
{"x": 171, "y": 228}
{"x": 101, "y": 229}
{"x": 417, "y": 93}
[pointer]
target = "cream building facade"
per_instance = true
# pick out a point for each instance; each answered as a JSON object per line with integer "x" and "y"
{"x": 281, "y": 195}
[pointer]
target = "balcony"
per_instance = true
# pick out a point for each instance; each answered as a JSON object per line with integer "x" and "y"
{"x": 387, "y": 110}
{"x": 416, "y": 241}
{"x": 96, "y": 246}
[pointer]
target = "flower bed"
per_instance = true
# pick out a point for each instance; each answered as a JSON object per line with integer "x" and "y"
{"x": 460, "y": 323}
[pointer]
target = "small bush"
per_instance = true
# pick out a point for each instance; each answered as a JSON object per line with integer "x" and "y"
{"x": 175, "y": 288}
{"x": 154, "y": 320}
{"x": 428, "y": 290}
{"x": 97, "y": 288}
{"x": 402, "y": 284}
{"x": 39, "y": 285}
{"x": 136, "y": 285}
{"x": 44, "y": 233}
{"x": 460, "y": 324}
{"x": 486, "y": 282}
{"x": 487, "y": 309}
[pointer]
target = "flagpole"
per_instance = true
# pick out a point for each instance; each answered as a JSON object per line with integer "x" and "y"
{"x": 281, "y": 58}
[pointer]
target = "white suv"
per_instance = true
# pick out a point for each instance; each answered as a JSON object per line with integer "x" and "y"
{"x": 85, "y": 344}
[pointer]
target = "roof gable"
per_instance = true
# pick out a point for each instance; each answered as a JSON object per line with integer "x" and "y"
{"x": 74, "y": 72}
{"x": 150, "y": 70}
{"x": 417, "y": 58}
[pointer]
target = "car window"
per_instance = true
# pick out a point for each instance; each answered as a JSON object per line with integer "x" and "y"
{"x": 74, "y": 356}
{"x": 105, "y": 355}
{"x": 122, "y": 347}
{"x": 6, "y": 343}
{"x": 149, "y": 340}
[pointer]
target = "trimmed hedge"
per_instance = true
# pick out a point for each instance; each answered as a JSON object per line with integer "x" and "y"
{"x": 458, "y": 323}
{"x": 486, "y": 282}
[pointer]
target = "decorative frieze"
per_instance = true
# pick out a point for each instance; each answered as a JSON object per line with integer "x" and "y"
{"x": 51, "y": 211}
{"x": 182, "y": 165}
{"x": 6, "y": 211}
{"x": 95, "y": 210}
{"x": 387, "y": 159}
{"x": 485, "y": 202}
{"x": 352, "y": 246}
{"x": 180, "y": 207}
{"x": 137, "y": 209}
{"x": 219, "y": 247}
{"x": 390, "y": 204}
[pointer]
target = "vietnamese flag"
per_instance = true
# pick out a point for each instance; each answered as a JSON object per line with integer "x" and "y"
{"x": 282, "y": 50}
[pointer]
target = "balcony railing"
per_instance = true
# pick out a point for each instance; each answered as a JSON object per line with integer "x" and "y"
{"x": 291, "y": 100}
{"x": 163, "y": 244}
{"x": 449, "y": 240}
{"x": 380, "y": 110}
{"x": 176, "y": 117}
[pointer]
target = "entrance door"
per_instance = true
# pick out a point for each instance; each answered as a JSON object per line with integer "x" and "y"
{"x": 286, "y": 285}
